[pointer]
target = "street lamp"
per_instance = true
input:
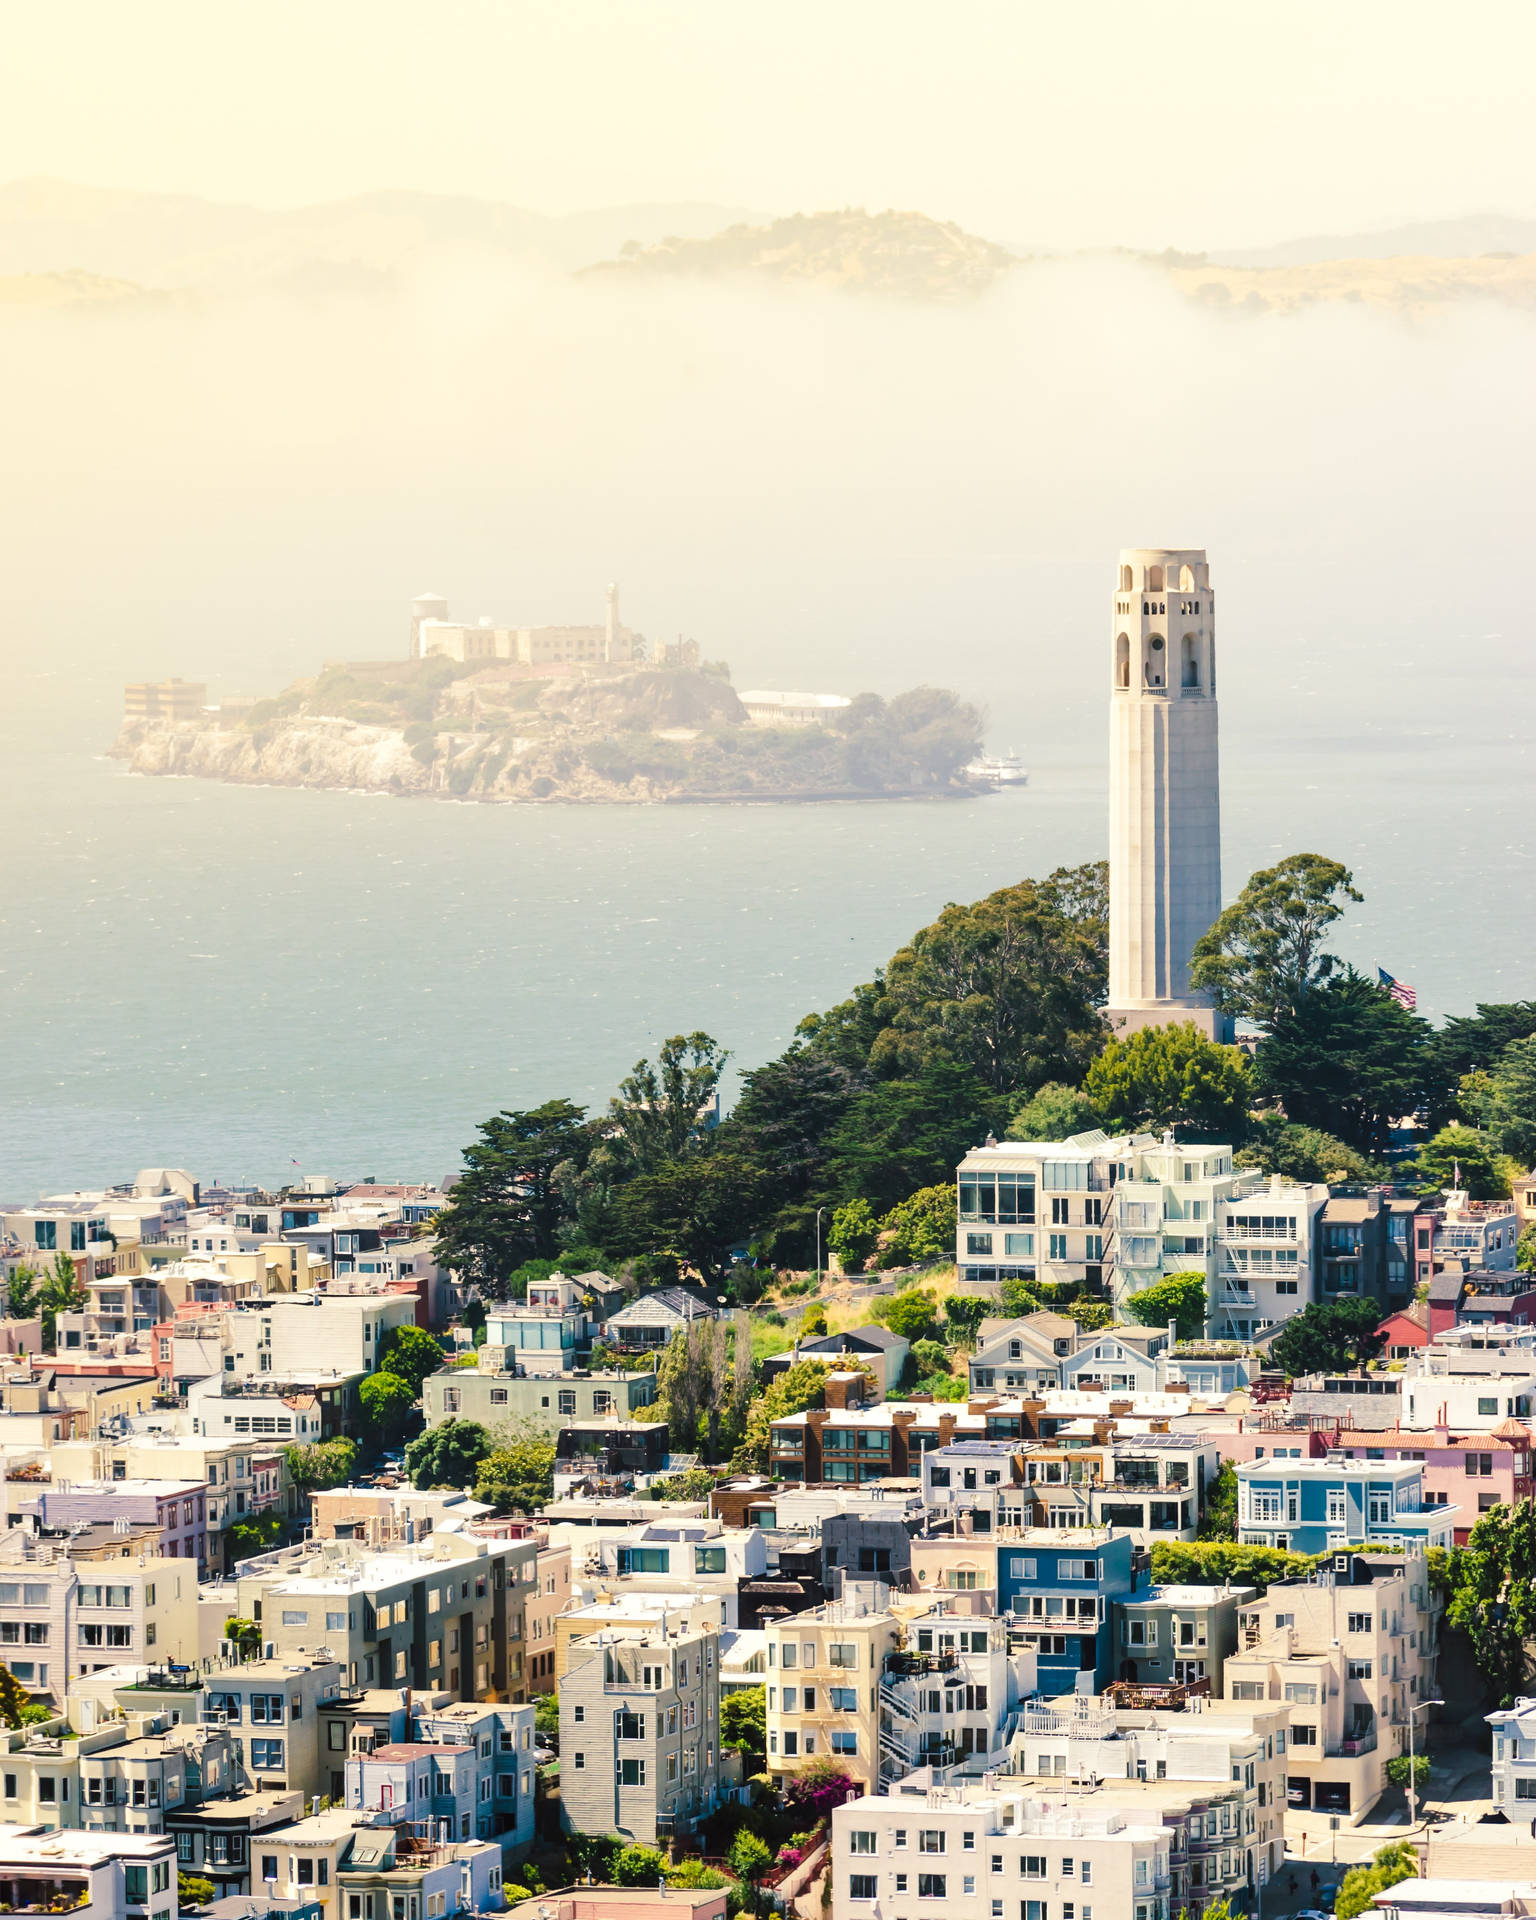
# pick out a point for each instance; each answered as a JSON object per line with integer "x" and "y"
{"x": 1413, "y": 1782}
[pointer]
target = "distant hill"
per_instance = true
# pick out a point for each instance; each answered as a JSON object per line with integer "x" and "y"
{"x": 1404, "y": 282}
{"x": 1473, "y": 234}
{"x": 177, "y": 240}
{"x": 907, "y": 254}
{"x": 78, "y": 290}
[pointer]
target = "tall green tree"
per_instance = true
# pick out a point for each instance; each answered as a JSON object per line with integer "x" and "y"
{"x": 1330, "y": 1336}
{"x": 1278, "y": 1145}
{"x": 1179, "y": 1297}
{"x": 411, "y": 1355}
{"x": 59, "y": 1292}
{"x": 1474, "y": 1041}
{"x": 854, "y": 1234}
{"x": 1493, "y": 1599}
{"x": 517, "y": 1475}
{"x": 664, "y": 1111}
{"x": 506, "y": 1206}
{"x": 698, "y": 1209}
{"x": 1263, "y": 957}
{"x": 1460, "y": 1156}
{"x": 692, "y": 1379}
{"x": 447, "y": 1455}
{"x": 21, "y": 1292}
{"x": 1009, "y": 988}
{"x": 1512, "y": 1100}
{"x": 921, "y": 1227}
{"x": 1350, "y": 1060}
{"x": 386, "y": 1404}
{"x": 744, "y": 1726}
{"x": 1054, "y": 1112}
{"x": 899, "y": 1135}
{"x": 321, "y": 1463}
{"x": 1174, "y": 1077}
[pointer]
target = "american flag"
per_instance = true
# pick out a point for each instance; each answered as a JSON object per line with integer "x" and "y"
{"x": 1401, "y": 992}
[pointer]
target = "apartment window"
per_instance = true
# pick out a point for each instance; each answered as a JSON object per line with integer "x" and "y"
{"x": 581, "y": 1761}
{"x": 1058, "y": 1246}
{"x": 1486, "y": 1405}
{"x": 567, "y": 1400}
{"x": 1480, "y": 1463}
{"x": 1360, "y": 1669}
{"x": 863, "y": 1886}
{"x": 1303, "y": 1735}
{"x": 267, "y": 1755}
{"x": 1359, "y": 1623}
{"x": 841, "y": 1653}
{"x": 631, "y": 1773}
{"x": 930, "y": 1840}
{"x": 1032, "y": 1866}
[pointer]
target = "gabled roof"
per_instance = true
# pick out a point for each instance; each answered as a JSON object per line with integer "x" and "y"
{"x": 1445, "y": 1287}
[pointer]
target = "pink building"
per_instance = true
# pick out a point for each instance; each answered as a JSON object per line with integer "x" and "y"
{"x": 176, "y": 1508}
{"x": 1472, "y": 1471}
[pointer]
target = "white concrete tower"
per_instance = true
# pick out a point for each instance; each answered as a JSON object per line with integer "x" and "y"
{"x": 1164, "y": 806}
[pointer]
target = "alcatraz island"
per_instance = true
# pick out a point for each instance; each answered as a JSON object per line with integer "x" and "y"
{"x": 559, "y": 713}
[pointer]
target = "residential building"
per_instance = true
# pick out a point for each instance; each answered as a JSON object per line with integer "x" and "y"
{"x": 469, "y": 1773}
{"x": 867, "y": 1545}
{"x": 1358, "y": 1399}
{"x": 545, "y": 1401}
{"x": 1178, "y": 1636}
{"x": 599, "y": 1902}
{"x": 1039, "y": 1209}
{"x": 1351, "y": 1650}
{"x": 58, "y": 1620}
{"x": 647, "y": 1324}
{"x": 173, "y": 700}
{"x": 1514, "y": 1759}
{"x": 1122, "y": 1359}
{"x": 500, "y": 1741}
{"x": 1312, "y": 1506}
{"x": 441, "y": 1615}
{"x": 640, "y": 1732}
{"x": 1024, "y": 1354}
{"x": 175, "y": 1510}
{"x": 609, "y": 1448}
{"x": 884, "y": 1353}
{"x": 1476, "y": 1233}
{"x": 973, "y": 1849}
{"x": 1265, "y": 1265}
{"x": 1213, "y": 1368}
{"x": 284, "y": 1334}
{"x": 351, "y": 1871}
{"x": 271, "y": 1710}
{"x": 296, "y": 1410}
{"x": 1170, "y": 1199}
{"x": 950, "y": 1693}
{"x": 113, "y": 1876}
{"x": 824, "y": 1671}
{"x": 1061, "y": 1585}
{"x": 1470, "y": 1472}
{"x": 540, "y": 1336}
{"x": 1471, "y": 1379}
{"x": 846, "y": 1443}
{"x": 1237, "y": 1838}
{"x": 1373, "y": 1245}
{"x": 228, "y": 1840}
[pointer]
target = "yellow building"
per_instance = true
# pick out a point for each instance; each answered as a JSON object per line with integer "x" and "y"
{"x": 824, "y": 1669}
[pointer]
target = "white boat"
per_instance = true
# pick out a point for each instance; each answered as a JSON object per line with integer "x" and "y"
{"x": 1008, "y": 770}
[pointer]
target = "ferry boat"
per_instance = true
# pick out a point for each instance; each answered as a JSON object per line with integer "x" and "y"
{"x": 1008, "y": 770}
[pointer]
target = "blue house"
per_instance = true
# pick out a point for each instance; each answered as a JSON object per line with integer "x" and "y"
{"x": 1060, "y": 1584}
{"x": 1314, "y": 1506}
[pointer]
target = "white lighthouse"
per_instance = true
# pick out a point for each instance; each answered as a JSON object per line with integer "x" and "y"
{"x": 1164, "y": 805}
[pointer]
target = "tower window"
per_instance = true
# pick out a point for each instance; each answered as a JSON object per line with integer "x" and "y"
{"x": 1191, "y": 675}
{"x": 1123, "y": 661}
{"x": 1154, "y": 579}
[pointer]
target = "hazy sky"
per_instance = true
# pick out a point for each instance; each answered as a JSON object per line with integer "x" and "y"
{"x": 1192, "y": 123}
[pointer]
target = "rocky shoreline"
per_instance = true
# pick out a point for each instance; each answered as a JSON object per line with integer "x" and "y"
{"x": 348, "y": 756}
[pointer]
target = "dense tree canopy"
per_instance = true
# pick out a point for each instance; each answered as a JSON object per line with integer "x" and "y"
{"x": 517, "y": 1475}
{"x": 1263, "y": 957}
{"x": 1054, "y": 1112}
{"x": 1171, "y": 1076}
{"x": 505, "y": 1207}
{"x": 1009, "y": 988}
{"x": 1349, "y": 1060}
{"x": 1494, "y": 1600}
{"x": 447, "y": 1455}
{"x": 1462, "y": 1157}
{"x": 1512, "y": 1100}
{"x": 1179, "y": 1297}
{"x": 1278, "y": 1145}
{"x": 1329, "y": 1336}
{"x": 664, "y": 1112}
{"x": 410, "y": 1354}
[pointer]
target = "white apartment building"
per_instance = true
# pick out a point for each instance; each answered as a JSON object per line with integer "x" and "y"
{"x": 290, "y": 1333}
{"x": 950, "y": 1696}
{"x": 1082, "y": 1736}
{"x": 60, "y": 1618}
{"x": 824, "y": 1672}
{"x": 1514, "y": 1759}
{"x": 1168, "y": 1200}
{"x": 993, "y": 1853}
{"x": 112, "y": 1876}
{"x": 1039, "y": 1210}
{"x": 1470, "y": 1380}
{"x": 1351, "y": 1651}
{"x": 1264, "y": 1265}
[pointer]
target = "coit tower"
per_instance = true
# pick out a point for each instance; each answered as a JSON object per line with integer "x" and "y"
{"x": 1164, "y": 807}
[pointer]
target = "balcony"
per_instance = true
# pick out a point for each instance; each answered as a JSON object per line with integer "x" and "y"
{"x": 1353, "y": 1748}
{"x": 902, "y": 1664}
